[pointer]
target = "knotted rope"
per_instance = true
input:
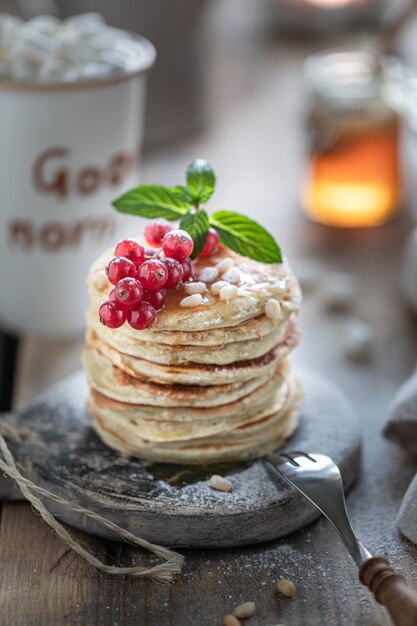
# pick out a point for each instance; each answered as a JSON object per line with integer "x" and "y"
{"x": 165, "y": 571}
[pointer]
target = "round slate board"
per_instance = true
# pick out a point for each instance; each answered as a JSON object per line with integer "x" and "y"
{"x": 173, "y": 505}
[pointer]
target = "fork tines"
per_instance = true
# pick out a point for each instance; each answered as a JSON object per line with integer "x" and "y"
{"x": 288, "y": 456}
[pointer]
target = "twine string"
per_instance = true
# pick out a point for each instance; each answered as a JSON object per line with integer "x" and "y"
{"x": 171, "y": 561}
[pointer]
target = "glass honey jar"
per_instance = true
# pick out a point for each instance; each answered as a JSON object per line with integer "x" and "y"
{"x": 353, "y": 169}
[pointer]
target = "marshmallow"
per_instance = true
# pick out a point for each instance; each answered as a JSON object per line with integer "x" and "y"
{"x": 47, "y": 50}
{"x": 96, "y": 70}
{"x": 42, "y": 23}
{"x": 76, "y": 52}
{"x": 57, "y": 71}
{"x": 86, "y": 24}
{"x": 35, "y": 47}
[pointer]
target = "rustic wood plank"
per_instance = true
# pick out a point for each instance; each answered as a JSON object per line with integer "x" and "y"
{"x": 45, "y": 584}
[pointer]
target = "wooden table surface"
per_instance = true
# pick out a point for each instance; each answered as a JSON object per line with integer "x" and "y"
{"x": 255, "y": 142}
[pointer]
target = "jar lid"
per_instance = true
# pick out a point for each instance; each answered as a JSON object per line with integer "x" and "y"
{"x": 344, "y": 75}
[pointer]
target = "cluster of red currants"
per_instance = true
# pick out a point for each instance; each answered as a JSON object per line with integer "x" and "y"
{"x": 141, "y": 275}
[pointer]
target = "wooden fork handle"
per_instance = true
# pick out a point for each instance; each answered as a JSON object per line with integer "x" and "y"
{"x": 391, "y": 590}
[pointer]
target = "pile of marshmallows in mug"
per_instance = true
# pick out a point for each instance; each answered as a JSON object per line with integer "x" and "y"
{"x": 48, "y": 50}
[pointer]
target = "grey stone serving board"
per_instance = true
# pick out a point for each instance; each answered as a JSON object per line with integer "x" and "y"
{"x": 173, "y": 505}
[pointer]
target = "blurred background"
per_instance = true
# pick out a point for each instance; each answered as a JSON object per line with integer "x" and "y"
{"x": 306, "y": 109}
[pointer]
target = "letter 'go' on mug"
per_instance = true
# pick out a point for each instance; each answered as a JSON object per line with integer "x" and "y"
{"x": 68, "y": 150}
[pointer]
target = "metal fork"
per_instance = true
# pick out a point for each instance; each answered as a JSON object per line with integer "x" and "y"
{"x": 319, "y": 480}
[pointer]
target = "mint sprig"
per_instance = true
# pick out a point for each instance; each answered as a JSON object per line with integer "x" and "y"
{"x": 238, "y": 232}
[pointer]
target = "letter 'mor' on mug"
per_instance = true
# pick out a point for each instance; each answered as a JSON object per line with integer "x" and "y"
{"x": 21, "y": 234}
{"x": 57, "y": 182}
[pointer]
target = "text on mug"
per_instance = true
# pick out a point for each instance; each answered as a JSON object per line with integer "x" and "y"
{"x": 51, "y": 173}
{"x": 57, "y": 236}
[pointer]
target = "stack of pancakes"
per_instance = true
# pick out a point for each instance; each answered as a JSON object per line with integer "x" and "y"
{"x": 203, "y": 384}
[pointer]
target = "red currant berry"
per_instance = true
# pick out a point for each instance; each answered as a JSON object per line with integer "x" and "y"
{"x": 188, "y": 270}
{"x": 175, "y": 272}
{"x": 212, "y": 243}
{"x": 132, "y": 250}
{"x": 141, "y": 316}
{"x": 156, "y": 230}
{"x": 156, "y": 298}
{"x": 112, "y": 298}
{"x": 177, "y": 244}
{"x": 128, "y": 291}
{"x": 153, "y": 274}
{"x": 112, "y": 315}
{"x": 119, "y": 268}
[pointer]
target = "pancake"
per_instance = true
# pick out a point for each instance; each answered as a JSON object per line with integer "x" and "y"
{"x": 260, "y": 283}
{"x": 257, "y": 401}
{"x": 112, "y": 382}
{"x": 181, "y": 354}
{"x": 107, "y": 378}
{"x": 191, "y": 373}
{"x": 123, "y": 417}
{"x": 243, "y": 443}
{"x": 255, "y": 328}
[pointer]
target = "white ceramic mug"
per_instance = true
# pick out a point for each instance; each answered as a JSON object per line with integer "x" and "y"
{"x": 66, "y": 152}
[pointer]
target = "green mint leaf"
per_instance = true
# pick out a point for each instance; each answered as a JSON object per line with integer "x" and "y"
{"x": 201, "y": 180}
{"x": 245, "y": 236}
{"x": 197, "y": 224}
{"x": 154, "y": 201}
{"x": 184, "y": 192}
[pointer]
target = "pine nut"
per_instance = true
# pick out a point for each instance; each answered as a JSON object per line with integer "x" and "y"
{"x": 225, "y": 264}
{"x": 196, "y": 287}
{"x": 247, "y": 609}
{"x": 233, "y": 276}
{"x": 219, "y": 483}
{"x": 228, "y": 292}
{"x": 273, "y": 309}
{"x": 286, "y": 587}
{"x": 231, "y": 620}
{"x": 215, "y": 288}
{"x": 209, "y": 274}
{"x": 191, "y": 301}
